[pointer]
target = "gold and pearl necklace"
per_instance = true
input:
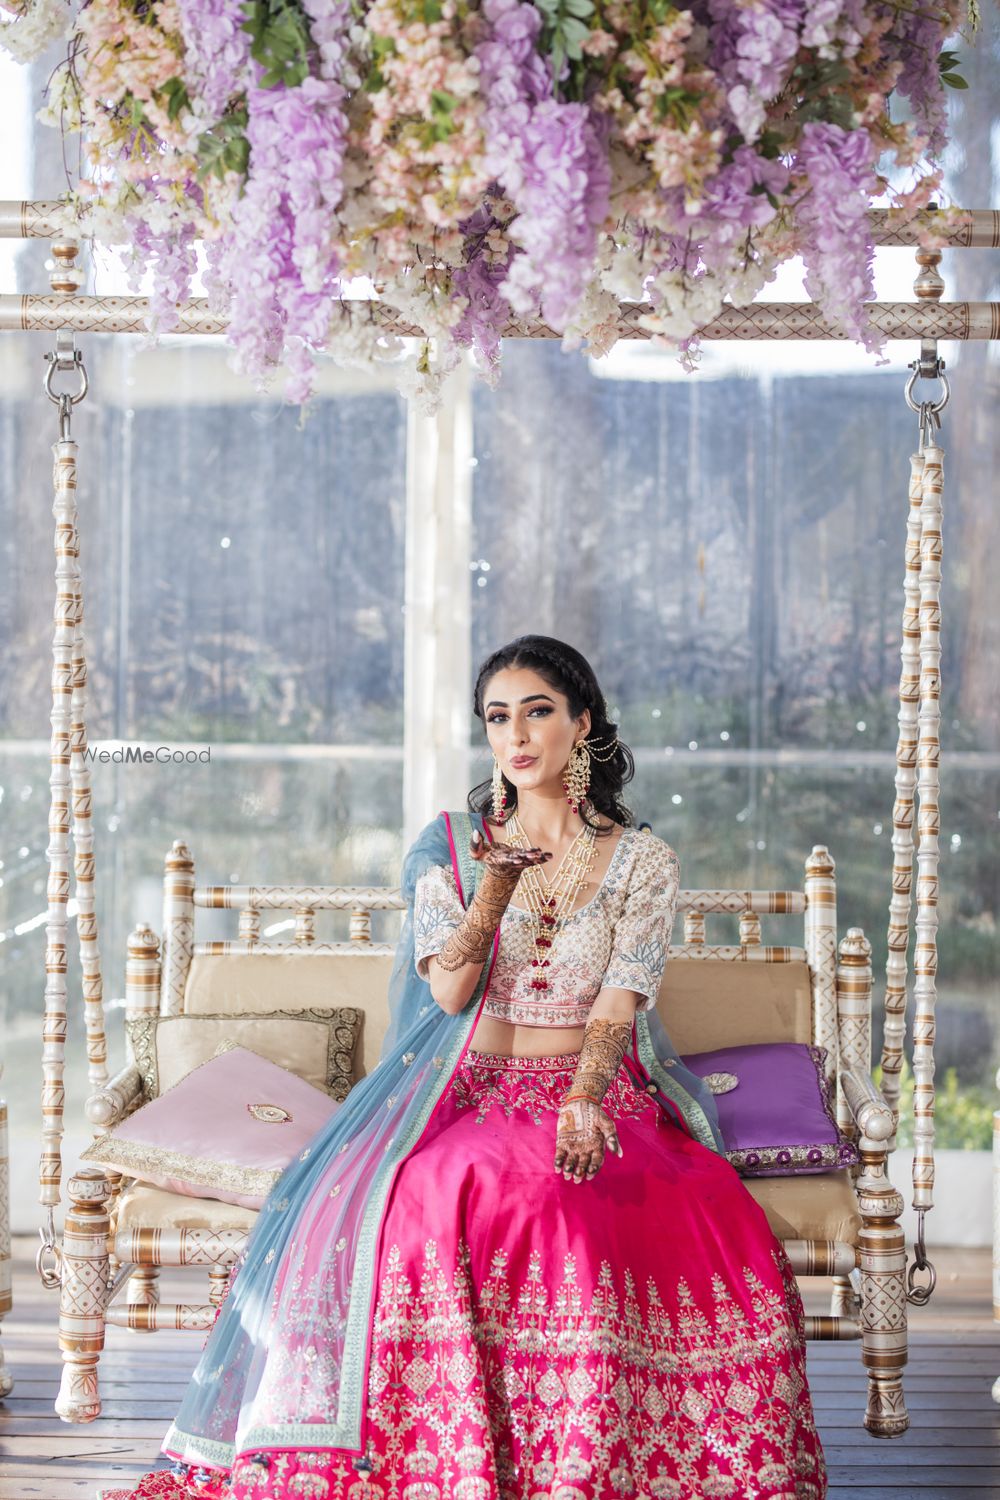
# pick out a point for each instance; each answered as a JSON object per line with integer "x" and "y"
{"x": 550, "y": 902}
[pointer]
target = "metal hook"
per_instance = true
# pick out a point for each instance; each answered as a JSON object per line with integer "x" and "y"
{"x": 66, "y": 356}
{"x": 50, "y": 1278}
{"x": 933, "y": 371}
{"x": 920, "y": 1295}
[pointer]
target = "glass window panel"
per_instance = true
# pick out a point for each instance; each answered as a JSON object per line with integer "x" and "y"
{"x": 243, "y": 592}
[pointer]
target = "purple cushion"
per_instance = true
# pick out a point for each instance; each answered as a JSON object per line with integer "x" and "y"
{"x": 777, "y": 1119}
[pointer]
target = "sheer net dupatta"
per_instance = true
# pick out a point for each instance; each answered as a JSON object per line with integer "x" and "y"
{"x": 306, "y": 1288}
{"x": 680, "y": 1091}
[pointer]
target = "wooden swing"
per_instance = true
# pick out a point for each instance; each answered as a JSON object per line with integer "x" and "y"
{"x": 845, "y": 1224}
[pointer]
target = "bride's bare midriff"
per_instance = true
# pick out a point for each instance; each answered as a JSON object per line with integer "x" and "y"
{"x": 505, "y": 1040}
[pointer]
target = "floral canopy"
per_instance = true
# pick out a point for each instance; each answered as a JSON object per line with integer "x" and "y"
{"x": 473, "y": 163}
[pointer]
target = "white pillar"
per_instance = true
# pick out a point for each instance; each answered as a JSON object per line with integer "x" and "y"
{"x": 437, "y": 694}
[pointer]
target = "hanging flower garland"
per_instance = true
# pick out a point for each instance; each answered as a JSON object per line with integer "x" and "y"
{"x": 486, "y": 160}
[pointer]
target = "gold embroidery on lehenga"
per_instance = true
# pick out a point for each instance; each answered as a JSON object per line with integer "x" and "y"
{"x": 664, "y": 1400}
{"x": 537, "y": 1086}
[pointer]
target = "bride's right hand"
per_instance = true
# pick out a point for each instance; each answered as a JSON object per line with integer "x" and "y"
{"x": 504, "y": 860}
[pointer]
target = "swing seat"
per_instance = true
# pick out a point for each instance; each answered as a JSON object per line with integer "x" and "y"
{"x": 840, "y": 1224}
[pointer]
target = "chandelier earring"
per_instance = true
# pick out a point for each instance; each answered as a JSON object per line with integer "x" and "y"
{"x": 577, "y": 777}
{"x": 576, "y": 781}
{"x": 499, "y": 793}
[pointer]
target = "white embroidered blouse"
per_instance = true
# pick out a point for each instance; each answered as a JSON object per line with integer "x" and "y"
{"x": 618, "y": 939}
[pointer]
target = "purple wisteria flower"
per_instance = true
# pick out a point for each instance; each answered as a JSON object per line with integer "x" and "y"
{"x": 171, "y": 257}
{"x": 736, "y": 200}
{"x": 550, "y": 159}
{"x": 915, "y": 40}
{"x": 751, "y": 48}
{"x": 479, "y": 279}
{"x": 833, "y": 219}
{"x": 216, "y": 49}
{"x": 281, "y": 259}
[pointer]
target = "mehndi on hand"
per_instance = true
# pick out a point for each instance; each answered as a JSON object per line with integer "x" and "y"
{"x": 583, "y": 1135}
{"x": 584, "y": 1131}
{"x": 472, "y": 939}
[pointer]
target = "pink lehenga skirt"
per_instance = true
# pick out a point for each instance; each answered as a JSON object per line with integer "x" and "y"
{"x": 634, "y": 1336}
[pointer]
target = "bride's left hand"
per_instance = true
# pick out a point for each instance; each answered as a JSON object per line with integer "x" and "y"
{"x": 583, "y": 1135}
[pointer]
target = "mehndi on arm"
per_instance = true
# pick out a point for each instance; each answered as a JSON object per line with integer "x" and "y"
{"x": 454, "y": 971}
{"x": 605, "y": 1043}
{"x": 584, "y": 1130}
{"x": 472, "y": 939}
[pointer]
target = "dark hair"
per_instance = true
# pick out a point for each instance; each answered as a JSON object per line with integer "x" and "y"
{"x": 570, "y": 673}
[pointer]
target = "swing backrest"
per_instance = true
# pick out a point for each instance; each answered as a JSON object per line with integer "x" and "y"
{"x": 713, "y": 994}
{"x": 709, "y": 1003}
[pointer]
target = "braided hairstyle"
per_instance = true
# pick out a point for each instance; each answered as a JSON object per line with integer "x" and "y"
{"x": 569, "y": 672}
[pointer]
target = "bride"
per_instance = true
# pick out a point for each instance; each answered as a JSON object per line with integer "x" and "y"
{"x": 515, "y": 1264}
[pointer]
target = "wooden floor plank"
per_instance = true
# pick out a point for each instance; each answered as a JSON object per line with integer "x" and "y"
{"x": 951, "y": 1450}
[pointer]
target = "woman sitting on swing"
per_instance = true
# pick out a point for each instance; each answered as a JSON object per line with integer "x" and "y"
{"x": 515, "y": 1264}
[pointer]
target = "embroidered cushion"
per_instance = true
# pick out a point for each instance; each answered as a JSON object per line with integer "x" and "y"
{"x": 317, "y": 1044}
{"x": 227, "y": 1130}
{"x": 775, "y": 1111}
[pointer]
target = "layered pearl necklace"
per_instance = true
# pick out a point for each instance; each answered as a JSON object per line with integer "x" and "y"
{"x": 551, "y": 902}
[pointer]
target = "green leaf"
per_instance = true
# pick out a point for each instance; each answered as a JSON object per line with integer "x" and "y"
{"x": 574, "y": 30}
{"x": 279, "y": 39}
{"x": 174, "y": 91}
{"x": 954, "y": 80}
{"x": 225, "y": 147}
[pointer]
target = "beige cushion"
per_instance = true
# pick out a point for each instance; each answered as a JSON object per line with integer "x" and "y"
{"x": 317, "y": 1045}
{"x": 247, "y": 982}
{"x": 708, "y": 1003}
{"x": 820, "y": 1206}
{"x": 145, "y": 1207}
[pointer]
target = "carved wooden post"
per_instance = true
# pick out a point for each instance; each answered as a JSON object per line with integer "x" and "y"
{"x": 178, "y": 927}
{"x": 749, "y": 929}
{"x": 821, "y": 939}
{"x": 902, "y": 810}
{"x": 883, "y": 1265}
{"x": 83, "y": 1295}
{"x": 854, "y": 1010}
{"x": 996, "y": 1225}
{"x": 928, "y": 828}
{"x": 142, "y": 974}
{"x": 142, "y": 998}
{"x": 694, "y": 928}
{"x": 6, "y": 1380}
{"x": 883, "y": 1296}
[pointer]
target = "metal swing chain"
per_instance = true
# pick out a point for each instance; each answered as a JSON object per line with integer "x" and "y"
{"x": 65, "y": 358}
{"x": 927, "y": 366}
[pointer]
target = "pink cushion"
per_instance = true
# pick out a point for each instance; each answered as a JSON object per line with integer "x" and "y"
{"x": 226, "y": 1131}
